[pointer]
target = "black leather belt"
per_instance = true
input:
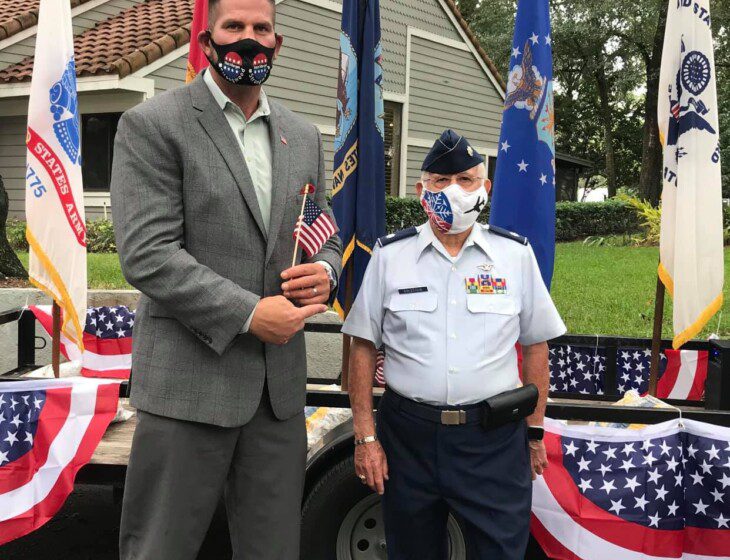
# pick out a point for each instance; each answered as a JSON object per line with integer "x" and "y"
{"x": 446, "y": 415}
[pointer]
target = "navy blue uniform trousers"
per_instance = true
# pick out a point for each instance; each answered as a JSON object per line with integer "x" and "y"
{"x": 482, "y": 476}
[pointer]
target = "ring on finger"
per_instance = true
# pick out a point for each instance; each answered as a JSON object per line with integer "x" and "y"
{"x": 363, "y": 477}
{"x": 314, "y": 290}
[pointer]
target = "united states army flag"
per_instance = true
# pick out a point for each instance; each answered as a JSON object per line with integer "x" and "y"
{"x": 54, "y": 198}
{"x": 691, "y": 244}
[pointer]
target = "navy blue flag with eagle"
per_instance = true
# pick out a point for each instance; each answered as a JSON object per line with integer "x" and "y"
{"x": 523, "y": 197}
{"x": 358, "y": 184}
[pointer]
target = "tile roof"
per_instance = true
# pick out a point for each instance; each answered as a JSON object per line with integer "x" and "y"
{"x": 16, "y": 15}
{"x": 124, "y": 43}
{"x": 138, "y": 36}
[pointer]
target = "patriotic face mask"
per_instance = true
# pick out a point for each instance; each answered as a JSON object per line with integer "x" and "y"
{"x": 246, "y": 62}
{"x": 453, "y": 210}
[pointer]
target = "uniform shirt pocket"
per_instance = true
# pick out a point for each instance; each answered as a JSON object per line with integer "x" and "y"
{"x": 411, "y": 322}
{"x": 494, "y": 322}
{"x": 478, "y": 303}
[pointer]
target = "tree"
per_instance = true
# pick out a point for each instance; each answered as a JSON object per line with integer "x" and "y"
{"x": 721, "y": 34}
{"x": 10, "y": 265}
{"x": 606, "y": 60}
{"x": 644, "y": 33}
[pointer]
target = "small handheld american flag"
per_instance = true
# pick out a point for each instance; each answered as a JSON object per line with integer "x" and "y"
{"x": 313, "y": 228}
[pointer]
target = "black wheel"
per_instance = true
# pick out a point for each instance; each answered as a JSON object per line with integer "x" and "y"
{"x": 342, "y": 520}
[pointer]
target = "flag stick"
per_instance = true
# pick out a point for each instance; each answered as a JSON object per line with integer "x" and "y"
{"x": 56, "y": 340}
{"x": 346, "y": 343}
{"x": 346, "y": 339}
{"x": 656, "y": 337}
{"x": 299, "y": 225}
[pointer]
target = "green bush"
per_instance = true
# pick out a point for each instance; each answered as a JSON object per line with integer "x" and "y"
{"x": 573, "y": 220}
{"x": 401, "y": 213}
{"x": 16, "y": 235}
{"x": 578, "y": 220}
{"x": 99, "y": 236}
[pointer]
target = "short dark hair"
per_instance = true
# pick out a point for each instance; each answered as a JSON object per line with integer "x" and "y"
{"x": 213, "y": 4}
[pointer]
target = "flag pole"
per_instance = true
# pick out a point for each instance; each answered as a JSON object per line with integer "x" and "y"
{"x": 56, "y": 340}
{"x": 305, "y": 190}
{"x": 656, "y": 336}
{"x": 346, "y": 338}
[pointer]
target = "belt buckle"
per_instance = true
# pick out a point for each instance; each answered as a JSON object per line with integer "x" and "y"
{"x": 453, "y": 417}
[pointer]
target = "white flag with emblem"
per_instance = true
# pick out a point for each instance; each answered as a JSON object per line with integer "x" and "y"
{"x": 54, "y": 198}
{"x": 691, "y": 244}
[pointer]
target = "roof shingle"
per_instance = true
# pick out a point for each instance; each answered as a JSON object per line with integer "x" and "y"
{"x": 136, "y": 37}
{"x": 125, "y": 43}
{"x": 21, "y": 14}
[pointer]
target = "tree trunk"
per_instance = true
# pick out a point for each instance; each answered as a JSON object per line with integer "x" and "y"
{"x": 10, "y": 265}
{"x": 607, "y": 118}
{"x": 651, "y": 153}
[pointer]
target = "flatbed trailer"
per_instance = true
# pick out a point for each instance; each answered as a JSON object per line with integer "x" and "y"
{"x": 341, "y": 517}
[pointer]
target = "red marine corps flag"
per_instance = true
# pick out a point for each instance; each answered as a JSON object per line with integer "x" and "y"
{"x": 54, "y": 199}
{"x": 196, "y": 58}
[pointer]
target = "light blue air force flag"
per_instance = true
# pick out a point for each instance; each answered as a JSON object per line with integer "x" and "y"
{"x": 524, "y": 182}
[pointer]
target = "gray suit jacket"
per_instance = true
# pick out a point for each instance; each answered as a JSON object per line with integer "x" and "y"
{"x": 190, "y": 238}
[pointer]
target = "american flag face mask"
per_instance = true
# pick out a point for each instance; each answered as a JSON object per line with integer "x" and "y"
{"x": 246, "y": 62}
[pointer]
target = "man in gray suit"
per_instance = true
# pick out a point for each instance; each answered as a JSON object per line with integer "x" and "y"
{"x": 205, "y": 194}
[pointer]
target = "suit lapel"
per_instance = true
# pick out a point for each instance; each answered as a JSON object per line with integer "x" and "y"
{"x": 216, "y": 125}
{"x": 279, "y": 177}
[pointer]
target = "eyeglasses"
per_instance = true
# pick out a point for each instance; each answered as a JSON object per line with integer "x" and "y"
{"x": 464, "y": 181}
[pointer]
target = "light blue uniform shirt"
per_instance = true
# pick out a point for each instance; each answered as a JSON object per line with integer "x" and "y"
{"x": 444, "y": 345}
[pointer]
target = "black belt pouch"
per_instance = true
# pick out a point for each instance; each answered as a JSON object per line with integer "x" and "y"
{"x": 509, "y": 406}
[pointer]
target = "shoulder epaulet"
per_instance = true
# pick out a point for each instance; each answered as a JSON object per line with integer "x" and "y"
{"x": 397, "y": 236}
{"x": 496, "y": 230}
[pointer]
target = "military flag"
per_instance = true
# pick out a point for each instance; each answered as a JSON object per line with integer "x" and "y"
{"x": 54, "y": 197}
{"x": 691, "y": 242}
{"x": 523, "y": 197}
{"x": 358, "y": 185}
{"x": 197, "y": 60}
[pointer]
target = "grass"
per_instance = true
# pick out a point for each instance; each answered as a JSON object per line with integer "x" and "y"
{"x": 610, "y": 290}
{"x": 598, "y": 290}
{"x": 104, "y": 272}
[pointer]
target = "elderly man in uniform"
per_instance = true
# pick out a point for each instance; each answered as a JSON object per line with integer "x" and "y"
{"x": 449, "y": 300}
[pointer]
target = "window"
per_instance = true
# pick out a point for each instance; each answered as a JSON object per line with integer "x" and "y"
{"x": 392, "y": 121}
{"x": 97, "y": 144}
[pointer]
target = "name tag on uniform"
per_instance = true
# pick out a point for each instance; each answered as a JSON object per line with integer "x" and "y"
{"x": 413, "y": 290}
{"x": 486, "y": 284}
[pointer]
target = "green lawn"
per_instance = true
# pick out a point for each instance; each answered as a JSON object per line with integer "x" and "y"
{"x": 610, "y": 290}
{"x": 103, "y": 270}
{"x": 598, "y": 290}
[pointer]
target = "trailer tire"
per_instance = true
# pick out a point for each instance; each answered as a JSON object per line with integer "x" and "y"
{"x": 341, "y": 520}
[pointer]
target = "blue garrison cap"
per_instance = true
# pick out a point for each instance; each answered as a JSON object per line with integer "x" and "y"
{"x": 451, "y": 153}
